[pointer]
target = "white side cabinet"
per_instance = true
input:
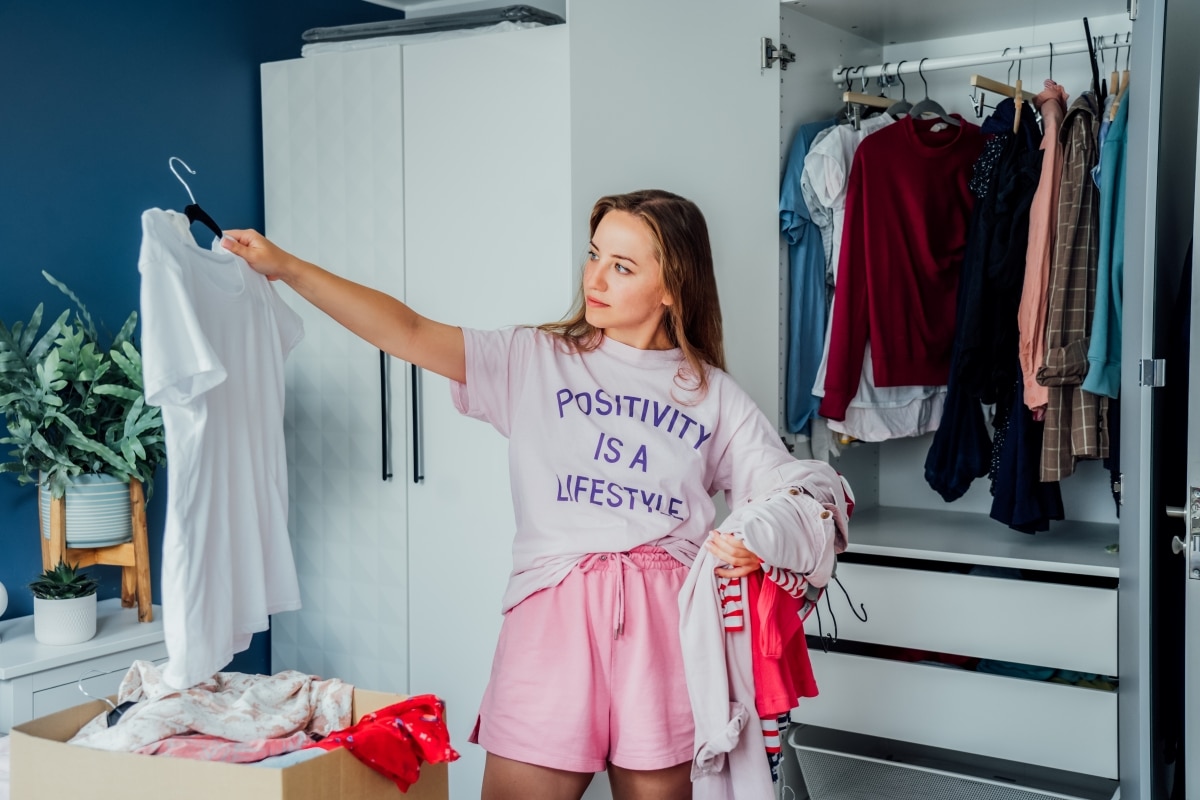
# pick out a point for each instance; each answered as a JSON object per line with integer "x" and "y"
{"x": 39, "y": 679}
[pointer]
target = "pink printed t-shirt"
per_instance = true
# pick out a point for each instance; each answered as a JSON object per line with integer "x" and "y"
{"x": 606, "y": 451}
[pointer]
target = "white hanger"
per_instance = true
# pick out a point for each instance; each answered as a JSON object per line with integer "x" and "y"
{"x": 180, "y": 177}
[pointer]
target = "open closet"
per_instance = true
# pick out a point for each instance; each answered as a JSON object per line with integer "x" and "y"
{"x": 458, "y": 176}
{"x": 978, "y": 640}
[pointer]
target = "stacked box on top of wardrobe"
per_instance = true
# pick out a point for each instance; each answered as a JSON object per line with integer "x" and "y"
{"x": 956, "y": 634}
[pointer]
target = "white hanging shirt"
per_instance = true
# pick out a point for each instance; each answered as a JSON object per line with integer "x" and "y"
{"x": 214, "y": 338}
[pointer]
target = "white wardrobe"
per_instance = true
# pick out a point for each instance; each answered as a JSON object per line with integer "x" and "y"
{"x": 458, "y": 176}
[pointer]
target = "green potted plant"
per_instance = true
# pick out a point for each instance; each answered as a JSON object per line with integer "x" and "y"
{"x": 64, "y": 605}
{"x": 76, "y": 416}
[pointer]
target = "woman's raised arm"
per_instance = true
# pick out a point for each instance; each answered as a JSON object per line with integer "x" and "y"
{"x": 374, "y": 316}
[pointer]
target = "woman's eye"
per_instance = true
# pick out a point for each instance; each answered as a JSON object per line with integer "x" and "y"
{"x": 592, "y": 255}
{"x": 621, "y": 268}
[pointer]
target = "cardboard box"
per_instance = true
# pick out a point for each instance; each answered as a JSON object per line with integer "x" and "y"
{"x": 44, "y": 766}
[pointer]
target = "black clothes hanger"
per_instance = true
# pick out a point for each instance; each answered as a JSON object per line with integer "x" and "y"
{"x": 193, "y": 211}
{"x": 1087, "y": 30}
{"x": 928, "y": 106}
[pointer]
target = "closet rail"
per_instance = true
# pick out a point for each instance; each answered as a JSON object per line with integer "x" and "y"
{"x": 844, "y": 73}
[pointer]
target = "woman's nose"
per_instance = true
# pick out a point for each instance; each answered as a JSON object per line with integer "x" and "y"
{"x": 595, "y": 279}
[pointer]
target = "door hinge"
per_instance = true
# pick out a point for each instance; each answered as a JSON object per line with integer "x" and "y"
{"x": 770, "y": 54}
{"x": 1153, "y": 372}
{"x": 1132, "y": 7}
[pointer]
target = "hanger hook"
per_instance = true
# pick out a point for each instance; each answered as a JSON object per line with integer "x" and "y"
{"x": 170, "y": 163}
{"x": 92, "y": 672}
{"x": 1052, "y": 61}
{"x": 1020, "y": 51}
{"x": 903, "y": 88}
{"x": 883, "y": 78}
{"x": 921, "y": 72}
{"x": 1127, "y": 49}
{"x": 1003, "y": 53}
{"x": 843, "y": 81}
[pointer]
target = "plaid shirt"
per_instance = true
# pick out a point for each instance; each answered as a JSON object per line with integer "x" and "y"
{"x": 1076, "y": 424}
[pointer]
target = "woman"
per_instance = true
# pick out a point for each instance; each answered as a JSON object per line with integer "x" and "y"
{"x": 622, "y": 425}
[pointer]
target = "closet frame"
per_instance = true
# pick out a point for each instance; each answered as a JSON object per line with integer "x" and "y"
{"x": 1089, "y": 592}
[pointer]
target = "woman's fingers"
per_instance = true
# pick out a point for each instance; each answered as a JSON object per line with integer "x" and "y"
{"x": 729, "y": 549}
{"x": 257, "y": 250}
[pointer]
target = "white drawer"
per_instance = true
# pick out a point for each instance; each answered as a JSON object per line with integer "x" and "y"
{"x": 113, "y": 662}
{"x": 1029, "y": 622}
{"x": 1048, "y": 724}
{"x": 57, "y": 698}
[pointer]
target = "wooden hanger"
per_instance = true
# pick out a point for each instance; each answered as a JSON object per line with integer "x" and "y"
{"x": 1018, "y": 102}
{"x": 193, "y": 211}
{"x": 983, "y": 82}
{"x": 1018, "y": 96}
{"x": 1112, "y": 114}
{"x": 875, "y": 101}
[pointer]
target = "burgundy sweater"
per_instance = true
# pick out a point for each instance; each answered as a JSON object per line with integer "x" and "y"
{"x": 907, "y": 213}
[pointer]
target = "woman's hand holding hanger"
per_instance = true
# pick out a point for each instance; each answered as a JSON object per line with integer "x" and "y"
{"x": 263, "y": 255}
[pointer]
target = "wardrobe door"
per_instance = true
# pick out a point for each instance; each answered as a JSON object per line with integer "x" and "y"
{"x": 487, "y": 188}
{"x": 333, "y": 169}
{"x": 1187, "y": 543}
{"x": 673, "y": 95}
{"x": 1160, "y": 187}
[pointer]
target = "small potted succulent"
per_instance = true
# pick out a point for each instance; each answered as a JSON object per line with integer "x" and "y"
{"x": 64, "y": 605}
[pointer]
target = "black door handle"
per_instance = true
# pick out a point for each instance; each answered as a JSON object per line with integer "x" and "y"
{"x": 384, "y": 416}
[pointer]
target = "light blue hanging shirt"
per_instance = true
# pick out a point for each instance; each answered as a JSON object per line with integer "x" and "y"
{"x": 1104, "y": 351}
{"x": 806, "y": 284}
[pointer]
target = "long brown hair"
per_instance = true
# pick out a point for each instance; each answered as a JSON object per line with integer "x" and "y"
{"x": 680, "y": 238}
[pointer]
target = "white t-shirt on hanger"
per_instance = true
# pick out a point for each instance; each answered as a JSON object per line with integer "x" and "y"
{"x": 214, "y": 339}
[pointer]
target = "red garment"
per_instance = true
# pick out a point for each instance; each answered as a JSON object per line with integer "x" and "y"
{"x": 908, "y": 209}
{"x": 782, "y": 669}
{"x": 395, "y": 741}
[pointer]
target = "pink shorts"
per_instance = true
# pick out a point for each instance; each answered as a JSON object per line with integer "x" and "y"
{"x": 590, "y": 671}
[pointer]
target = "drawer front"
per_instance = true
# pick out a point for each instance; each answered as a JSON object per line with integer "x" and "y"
{"x": 57, "y": 698}
{"x": 113, "y": 662}
{"x": 1029, "y": 622}
{"x": 1048, "y": 724}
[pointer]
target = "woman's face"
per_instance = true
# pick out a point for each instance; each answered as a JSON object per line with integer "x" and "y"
{"x": 622, "y": 283}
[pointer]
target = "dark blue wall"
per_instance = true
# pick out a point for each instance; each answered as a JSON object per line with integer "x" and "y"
{"x": 97, "y": 97}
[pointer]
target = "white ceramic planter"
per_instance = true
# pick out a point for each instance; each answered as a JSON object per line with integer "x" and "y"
{"x": 98, "y": 512}
{"x": 68, "y": 621}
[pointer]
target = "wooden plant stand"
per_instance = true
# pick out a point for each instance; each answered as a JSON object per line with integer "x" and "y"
{"x": 133, "y": 557}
